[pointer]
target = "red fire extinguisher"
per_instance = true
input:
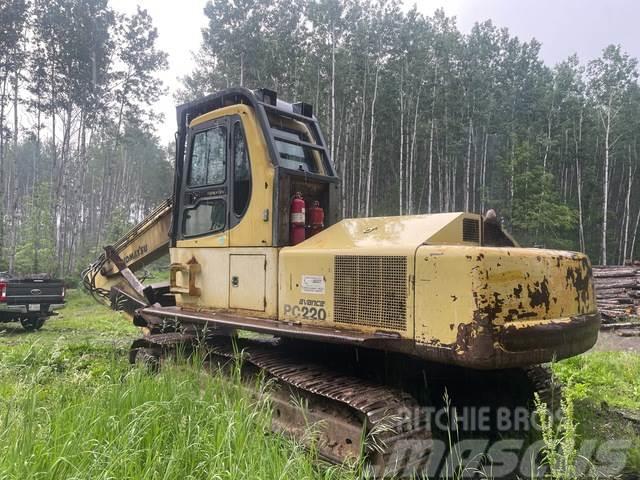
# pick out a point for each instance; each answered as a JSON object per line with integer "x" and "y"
{"x": 297, "y": 219}
{"x": 316, "y": 218}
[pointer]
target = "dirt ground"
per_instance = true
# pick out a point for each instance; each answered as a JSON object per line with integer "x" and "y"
{"x": 611, "y": 340}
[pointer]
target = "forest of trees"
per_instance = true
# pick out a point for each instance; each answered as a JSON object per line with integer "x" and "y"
{"x": 423, "y": 118}
{"x": 419, "y": 118}
{"x": 79, "y": 161}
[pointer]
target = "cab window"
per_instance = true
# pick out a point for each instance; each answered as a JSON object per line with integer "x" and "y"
{"x": 294, "y": 156}
{"x": 241, "y": 171}
{"x": 208, "y": 157}
{"x": 208, "y": 216}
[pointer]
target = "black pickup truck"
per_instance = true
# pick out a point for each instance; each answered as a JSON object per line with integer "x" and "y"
{"x": 29, "y": 300}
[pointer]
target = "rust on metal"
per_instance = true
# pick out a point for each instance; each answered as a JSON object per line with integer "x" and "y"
{"x": 349, "y": 409}
{"x": 539, "y": 294}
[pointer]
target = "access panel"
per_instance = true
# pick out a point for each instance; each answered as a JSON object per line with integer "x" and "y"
{"x": 247, "y": 282}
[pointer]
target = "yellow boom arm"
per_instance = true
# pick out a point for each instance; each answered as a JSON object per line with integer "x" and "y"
{"x": 144, "y": 243}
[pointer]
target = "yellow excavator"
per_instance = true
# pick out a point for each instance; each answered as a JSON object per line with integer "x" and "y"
{"x": 358, "y": 317}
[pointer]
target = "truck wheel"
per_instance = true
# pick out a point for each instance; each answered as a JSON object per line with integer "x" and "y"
{"x": 31, "y": 324}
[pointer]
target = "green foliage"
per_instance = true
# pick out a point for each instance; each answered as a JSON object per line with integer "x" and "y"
{"x": 118, "y": 224}
{"x": 461, "y": 121}
{"x": 509, "y": 132}
{"x": 610, "y": 377}
{"x": 36, "y": 249}
{"x": 560, "y": 451}
{"x": 604, "y": 388}
{"x": 87, "y": 76}
{"x": 538, "y": 215}
{"x": 611, "y": 76}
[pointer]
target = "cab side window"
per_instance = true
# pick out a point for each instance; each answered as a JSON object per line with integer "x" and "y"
{"x": 241, "y": 171}
{"x": 207, "y": 217}
{"x": 208, "y": 157}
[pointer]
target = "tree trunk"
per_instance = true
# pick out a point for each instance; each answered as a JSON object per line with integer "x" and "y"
{"x": 358, "y": 203}
{"x": 467, "y": 177}
{"x": 401, "y": 167}
{"x": 333, "y": 90}
{"x": 371, "y": 139}
{"x": 578, "y": 143}
{"x": 12, "y": 178}
{"x": 430, "y": 170}
{"x": 635, "y": 235}
{"x": 483, "y": 174}
{"x": 627, "y": 210}
{"x": 605, "y": 188}
{"x": 433, "y": 120}
{"x": 412, "y": 157}
{"x": 3, "y": 205}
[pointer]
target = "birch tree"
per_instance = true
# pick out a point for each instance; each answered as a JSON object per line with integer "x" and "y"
{"x": 610, "y": 78}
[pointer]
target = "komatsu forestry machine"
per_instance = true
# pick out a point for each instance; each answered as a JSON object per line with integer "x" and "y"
{"x": 364, "y": 319}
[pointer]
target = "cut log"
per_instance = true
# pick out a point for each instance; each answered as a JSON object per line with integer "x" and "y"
{"x": 617, "y": 291}
{"x": 614, "y": 272}
{"x": 615, "y": 326}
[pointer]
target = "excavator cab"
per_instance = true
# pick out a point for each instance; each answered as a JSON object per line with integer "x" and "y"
{"x": 241, "y": 158}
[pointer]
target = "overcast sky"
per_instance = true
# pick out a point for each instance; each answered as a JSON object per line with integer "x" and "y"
{"x": 563, "y": 26}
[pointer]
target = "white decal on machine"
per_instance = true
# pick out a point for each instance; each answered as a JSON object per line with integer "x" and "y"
{"x": 312, "y": 284}
{"x": 297, "y": 217}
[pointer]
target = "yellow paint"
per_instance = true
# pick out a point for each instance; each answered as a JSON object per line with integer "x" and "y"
{"x": 214, "y": 279}
{"x": 297, "y": 263}
{"x": 293, "y": 266}
{"x": 444, "y": 293}
{"x": 451, "y": 234}
{"x": 450, "y": 286}
{"x": 506, "y": 270}
{"x": 145, "y": 242}
{"x": 257, "y": 293}
{"x": 248, "y": 281}
{"x": 290, "y": 124}
{"x": 506, "y": 286}
{"x": 383, "y": 235}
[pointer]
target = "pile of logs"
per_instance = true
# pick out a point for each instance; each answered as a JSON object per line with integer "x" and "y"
{"x": 617, "y": 291}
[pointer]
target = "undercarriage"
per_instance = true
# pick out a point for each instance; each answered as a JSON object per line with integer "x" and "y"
{"x": 392, "y": 416}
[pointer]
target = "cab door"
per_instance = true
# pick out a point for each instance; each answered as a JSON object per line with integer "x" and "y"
{"x": 200, "y": 260}
{"x": 205, "y": 202}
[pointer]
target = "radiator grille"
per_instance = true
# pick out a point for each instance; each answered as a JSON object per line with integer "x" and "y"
{"x": 470, "y": 230}
{"x": 371, "y": 291}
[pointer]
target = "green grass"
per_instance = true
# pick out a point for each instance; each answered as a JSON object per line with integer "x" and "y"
{"x": 72, "y": 408}
{"x": 605, "y": 386}
{"x": 611, "y": 378}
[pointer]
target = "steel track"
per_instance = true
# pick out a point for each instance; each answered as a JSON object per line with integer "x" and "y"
{"x": 345, "y": 417}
